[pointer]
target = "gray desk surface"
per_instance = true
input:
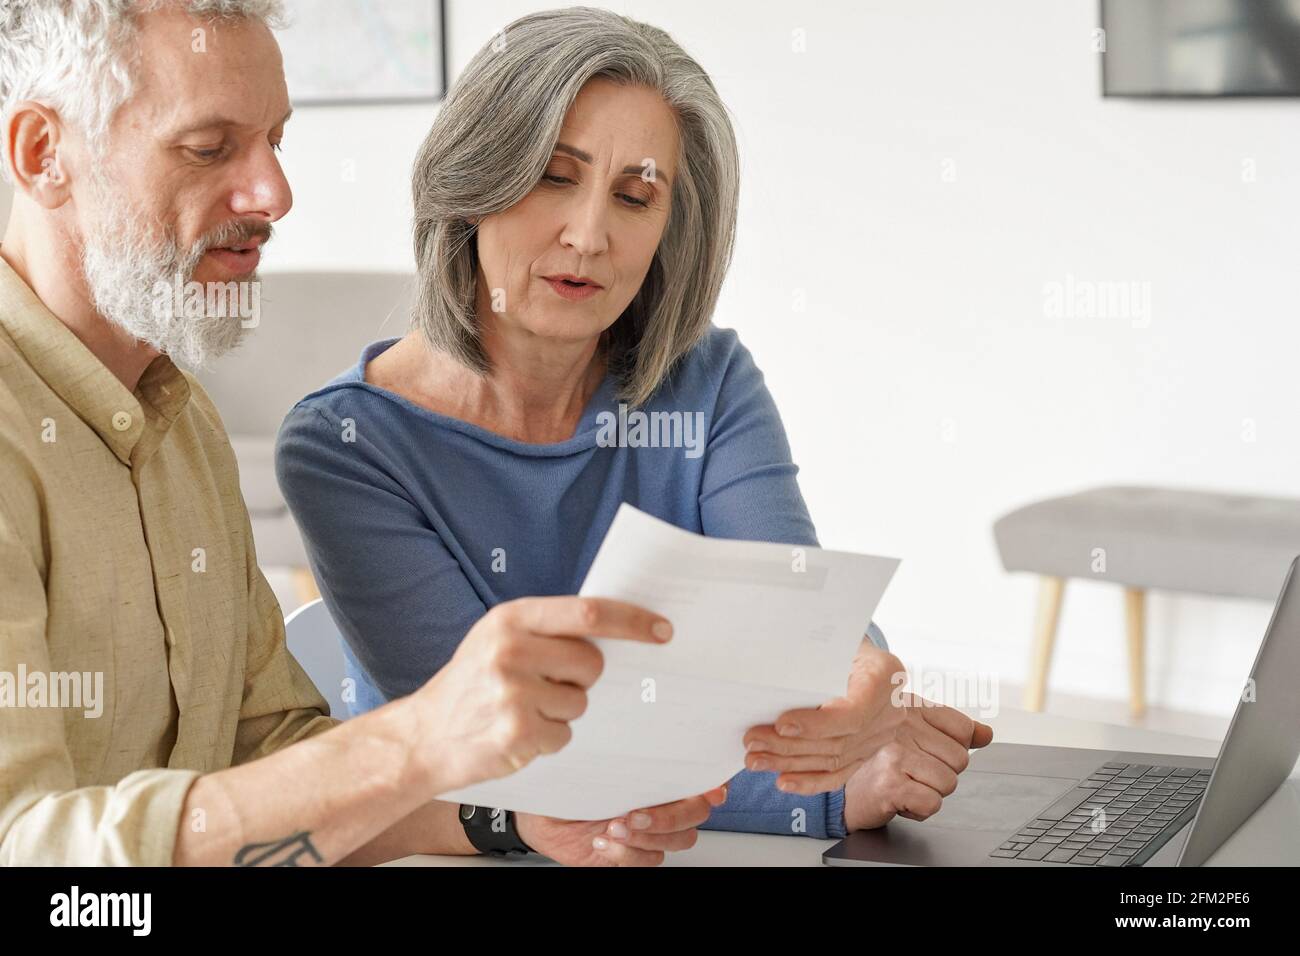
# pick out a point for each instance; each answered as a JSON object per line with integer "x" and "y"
{"x": 1270, "y": 837}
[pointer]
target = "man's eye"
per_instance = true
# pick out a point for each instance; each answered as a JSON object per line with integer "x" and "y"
{"x": 205, "y": 155}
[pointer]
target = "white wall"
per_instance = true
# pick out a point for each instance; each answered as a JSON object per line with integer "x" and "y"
{"x": 920, "y": 173}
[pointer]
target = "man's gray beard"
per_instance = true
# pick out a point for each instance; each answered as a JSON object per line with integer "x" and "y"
{"x": 123, "y": 264}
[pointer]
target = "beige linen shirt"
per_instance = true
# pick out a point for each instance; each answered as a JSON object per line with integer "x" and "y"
{"x": 126, "y": 556}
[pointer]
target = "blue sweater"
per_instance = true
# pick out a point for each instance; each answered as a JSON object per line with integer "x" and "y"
{"x": 416, "y": 523}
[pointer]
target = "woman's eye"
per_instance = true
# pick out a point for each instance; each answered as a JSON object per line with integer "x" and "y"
{"x": 633, "y": 200}
{"x": 556, "y": 179}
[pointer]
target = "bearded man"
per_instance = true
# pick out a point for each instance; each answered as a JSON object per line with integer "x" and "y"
{"x": 141, "y": 138}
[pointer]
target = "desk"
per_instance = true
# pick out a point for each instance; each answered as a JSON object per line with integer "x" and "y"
{"x": 1271, "y": 836}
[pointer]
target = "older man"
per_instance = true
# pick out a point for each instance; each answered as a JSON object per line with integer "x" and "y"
{"x": 149, "y": 711}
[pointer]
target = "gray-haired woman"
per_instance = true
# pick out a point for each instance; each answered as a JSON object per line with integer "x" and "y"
{"x": 575, "y": 208}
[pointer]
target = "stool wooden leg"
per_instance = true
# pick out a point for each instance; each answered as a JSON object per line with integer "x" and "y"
{"x": 1050, "y": 593}
{"x": 1135, "y": 624}
{"x": 305, "y": 585}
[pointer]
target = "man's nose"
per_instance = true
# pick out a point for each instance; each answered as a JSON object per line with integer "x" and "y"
{"x": 262, "y": 190}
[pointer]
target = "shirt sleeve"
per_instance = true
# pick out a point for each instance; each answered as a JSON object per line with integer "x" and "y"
{"x": 281, "y": 705}
{"x": 45, "y": 818}
{"x": 403, "y": 607}
{"x": 749, "y": 491}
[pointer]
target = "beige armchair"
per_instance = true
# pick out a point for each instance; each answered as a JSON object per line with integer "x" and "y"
{"x": 311, "y": 327}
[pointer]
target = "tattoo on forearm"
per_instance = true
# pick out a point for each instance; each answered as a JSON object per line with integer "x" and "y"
{"x": 284, "y": 852}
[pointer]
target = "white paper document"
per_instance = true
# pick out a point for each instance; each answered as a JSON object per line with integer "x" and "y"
{"x": 758, "y": 629}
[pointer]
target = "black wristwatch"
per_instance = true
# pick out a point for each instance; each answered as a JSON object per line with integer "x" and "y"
{"x": 492, "y": 831}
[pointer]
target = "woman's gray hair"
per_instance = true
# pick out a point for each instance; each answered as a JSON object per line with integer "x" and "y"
{"x": 491, "y": 143}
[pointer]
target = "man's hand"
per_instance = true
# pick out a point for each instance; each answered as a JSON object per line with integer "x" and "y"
{"x": 638, "y": 839}
{"x": 816, "y": 750}
{"x": 518, "y": 678}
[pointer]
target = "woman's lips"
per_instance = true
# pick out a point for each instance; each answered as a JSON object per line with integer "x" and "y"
{"x": 240, "y": 263}
{"x": 574, "y": 293}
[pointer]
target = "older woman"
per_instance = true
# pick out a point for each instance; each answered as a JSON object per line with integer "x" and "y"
{"x": 575, "y": 207}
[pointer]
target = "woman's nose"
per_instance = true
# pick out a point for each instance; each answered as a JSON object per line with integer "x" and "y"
{"x": 586, "y": 230}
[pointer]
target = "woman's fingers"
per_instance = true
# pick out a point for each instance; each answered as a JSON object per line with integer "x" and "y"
{"x": 967, "y": 732}
{"x": 930, "y": 771}
{"x": 663, "y": 842}
{"x": 810, "y": 775}
{"x": 917, "y": 801}
{"x": 615, "y": 853}
{"x": 794, "y": 755}
{"x": 809, "y": 763}
{"x": 670, "y": 817}
{"x": 666, "y": 828}
{"x": 811, "y": 783}
{"x": 938, "y": 744}
{"x": 767, "y": 741}
{"x": 835, "y": 718}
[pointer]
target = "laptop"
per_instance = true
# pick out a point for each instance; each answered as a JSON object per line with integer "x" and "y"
{"x": 1022, "y": 805}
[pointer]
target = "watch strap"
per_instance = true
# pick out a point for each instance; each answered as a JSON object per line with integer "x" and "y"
{"x": 492, "y": 831}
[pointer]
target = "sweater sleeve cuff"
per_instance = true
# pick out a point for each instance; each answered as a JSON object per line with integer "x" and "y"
{"x": 835, "y": 825}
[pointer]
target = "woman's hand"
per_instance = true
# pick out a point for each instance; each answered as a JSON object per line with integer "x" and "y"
{"x": 639, "y": 839}
{"x": 515, "y": 682}
{"x": 816, "y": 750}
{"x": 910, "y": 775}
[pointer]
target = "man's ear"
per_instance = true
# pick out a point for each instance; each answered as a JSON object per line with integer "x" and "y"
{"x": 32, "y": 144}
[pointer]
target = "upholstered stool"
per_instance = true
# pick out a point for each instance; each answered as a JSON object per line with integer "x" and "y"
{"x": 1165, "y": 539}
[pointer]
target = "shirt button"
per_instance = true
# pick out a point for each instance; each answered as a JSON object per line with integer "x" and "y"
{"x": 122, "y": 421}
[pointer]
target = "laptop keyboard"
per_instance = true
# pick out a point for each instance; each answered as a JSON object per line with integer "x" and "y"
{"x": 1120, "y": 816}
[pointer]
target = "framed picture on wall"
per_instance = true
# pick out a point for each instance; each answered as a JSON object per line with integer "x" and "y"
{"x": 364, "y": 51}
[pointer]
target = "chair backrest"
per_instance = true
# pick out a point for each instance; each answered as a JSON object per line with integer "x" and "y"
{"x": 311, "y": 327}
{"x": 315, "y": 642}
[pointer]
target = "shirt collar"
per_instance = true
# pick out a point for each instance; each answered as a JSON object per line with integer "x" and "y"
{"x": 96, "y": 395}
